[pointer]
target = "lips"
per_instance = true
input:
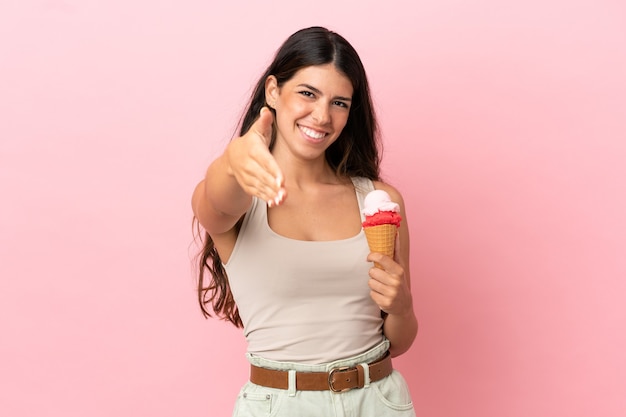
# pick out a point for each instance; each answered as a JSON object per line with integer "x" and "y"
{"x": 312, "y": 134}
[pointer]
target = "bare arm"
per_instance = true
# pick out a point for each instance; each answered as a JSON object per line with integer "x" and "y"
{"x": 391, "y": 286}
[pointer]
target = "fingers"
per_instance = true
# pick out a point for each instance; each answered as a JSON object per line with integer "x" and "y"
{"x": 391, "y": 296}
{"x": 275, "y": 182}
{"x": 272, "y": 177}
{"x": 387, "y": 263}
{"x": 258, "y": 180}
{"x": 253, "y": 165}
{"x": 388, "y": 286}
{"x": 391, "y": 273}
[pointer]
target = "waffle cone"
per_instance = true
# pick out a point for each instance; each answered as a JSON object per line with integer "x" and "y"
{"x": 381, "y": 239}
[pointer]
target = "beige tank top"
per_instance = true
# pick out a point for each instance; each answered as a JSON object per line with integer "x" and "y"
{"x": 303, "y": 301}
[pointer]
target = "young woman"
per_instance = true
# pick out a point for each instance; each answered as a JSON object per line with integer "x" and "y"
{"x": 287, "y": 257}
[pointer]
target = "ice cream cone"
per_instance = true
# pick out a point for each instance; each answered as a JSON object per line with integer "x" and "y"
{"x": 381, "y": 239}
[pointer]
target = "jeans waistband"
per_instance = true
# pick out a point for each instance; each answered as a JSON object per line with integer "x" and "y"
{"x": 366, "y": 357}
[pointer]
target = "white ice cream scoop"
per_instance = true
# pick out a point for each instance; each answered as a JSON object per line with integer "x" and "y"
{"x": 378, "y": 200}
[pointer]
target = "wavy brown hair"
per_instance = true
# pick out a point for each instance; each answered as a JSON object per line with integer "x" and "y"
{"x": 356, "y": 153}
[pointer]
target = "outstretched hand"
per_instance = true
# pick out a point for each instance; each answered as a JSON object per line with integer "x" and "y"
{"x": 252, "y": 164}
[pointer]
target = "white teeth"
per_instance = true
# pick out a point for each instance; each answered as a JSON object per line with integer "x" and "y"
{"x": 312, "y": 133}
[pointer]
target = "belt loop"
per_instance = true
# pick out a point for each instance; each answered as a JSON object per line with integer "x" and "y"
{"x": 292, "y": 383}
{"x": 366, "y": 375}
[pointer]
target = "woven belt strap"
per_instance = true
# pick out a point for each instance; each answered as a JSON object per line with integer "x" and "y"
{"x": 337, "y": 380}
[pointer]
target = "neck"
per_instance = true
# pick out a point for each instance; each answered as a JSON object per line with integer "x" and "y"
{"x": 301, "y": 173}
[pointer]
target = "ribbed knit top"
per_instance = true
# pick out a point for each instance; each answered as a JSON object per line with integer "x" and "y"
{"x": 303, "y": 301}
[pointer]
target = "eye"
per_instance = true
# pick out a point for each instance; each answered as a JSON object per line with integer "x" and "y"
{"x": 307, "y": 93}
{"x": 341, "y": 104}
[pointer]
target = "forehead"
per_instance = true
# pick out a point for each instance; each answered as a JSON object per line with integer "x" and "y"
{"x": 327, "y": 78}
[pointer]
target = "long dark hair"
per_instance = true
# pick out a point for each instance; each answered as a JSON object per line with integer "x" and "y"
{"x": 355, "y": 153}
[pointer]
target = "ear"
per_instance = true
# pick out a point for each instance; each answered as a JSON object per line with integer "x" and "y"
{"x": 271, "y": 91}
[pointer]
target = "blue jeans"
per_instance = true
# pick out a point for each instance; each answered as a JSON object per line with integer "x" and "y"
{"x": 387, "y": 397}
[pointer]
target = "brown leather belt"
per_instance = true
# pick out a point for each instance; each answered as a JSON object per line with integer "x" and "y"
{"x": 336, "y": 380}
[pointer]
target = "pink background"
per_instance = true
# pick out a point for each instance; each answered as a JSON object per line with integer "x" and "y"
{"x": 505, "y": 128}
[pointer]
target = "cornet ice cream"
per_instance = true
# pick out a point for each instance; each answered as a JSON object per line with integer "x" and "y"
{"x": 382, "y": 219}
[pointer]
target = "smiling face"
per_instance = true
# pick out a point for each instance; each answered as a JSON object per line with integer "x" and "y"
{"x": 312, "y": 109}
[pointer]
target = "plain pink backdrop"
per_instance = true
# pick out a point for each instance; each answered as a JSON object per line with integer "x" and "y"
{"x": 505, "y": 128}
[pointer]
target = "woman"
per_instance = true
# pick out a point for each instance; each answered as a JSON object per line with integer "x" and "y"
{"x": 285, "y": 248}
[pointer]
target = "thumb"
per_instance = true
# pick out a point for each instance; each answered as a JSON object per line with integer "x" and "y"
{"x": 263, "y": 125}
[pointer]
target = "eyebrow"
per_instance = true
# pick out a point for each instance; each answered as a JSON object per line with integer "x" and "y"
{"x": 317, "y": 91}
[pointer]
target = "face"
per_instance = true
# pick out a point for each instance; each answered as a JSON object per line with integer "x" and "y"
{"x": 312, "y": 109}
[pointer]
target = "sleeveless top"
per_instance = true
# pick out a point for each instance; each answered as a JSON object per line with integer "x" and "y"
{"x": 303, "y": 301}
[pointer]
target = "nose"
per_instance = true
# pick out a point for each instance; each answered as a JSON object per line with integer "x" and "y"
{"x": 321, "y": 113}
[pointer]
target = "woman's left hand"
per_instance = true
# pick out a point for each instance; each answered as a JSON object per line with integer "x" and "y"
{"x": 389, "y": 288}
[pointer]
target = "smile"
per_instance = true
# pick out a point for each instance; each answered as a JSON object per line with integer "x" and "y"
{"x": 313, "y": 134}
